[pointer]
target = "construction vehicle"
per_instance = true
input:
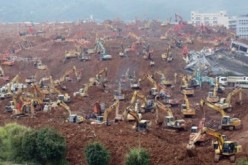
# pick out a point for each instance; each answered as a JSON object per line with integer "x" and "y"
{"x": 196, "y": 137}
{"x": 169, "y": 120}
{"x": 167, "y": 56}
{"x": 222, "y": 147}
{"x": 226, "y": 103}
{"x": 227, "y": 122}
{"x": 118, "y": 95}
{"x": 105, "y": 118}
{"x": 212, "y": 96}
{"x": 163, "y": 79}
{"x": 83, "y": 92}
{"x": 2, "y": 74}
{"x": 73, "y": 118}
{"x": 140, "y": 125}
{"x": 30, "y": 79}
{"x": 39, "y": 65}
{"x": 154, "y": 91}
{"x": 146, "y": 106}
{"x": 186, "y": 109}
{"x": 185, "y": 89}
{"x": 100, "y": 78}
{"x": 73, "y": 53}
{"x": 100, "y": 49}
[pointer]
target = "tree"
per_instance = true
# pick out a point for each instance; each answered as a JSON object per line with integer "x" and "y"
{"x": 97, "y": 154}
{"x": 50, "y": 145}
{"x": 137, "y": 156}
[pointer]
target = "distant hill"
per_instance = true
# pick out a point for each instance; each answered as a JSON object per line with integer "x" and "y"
{"x": 68, "y": 10}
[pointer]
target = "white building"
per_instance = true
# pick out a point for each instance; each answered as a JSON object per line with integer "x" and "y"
{"x": 210, "y": 19}
{"x": 242, "y": 26}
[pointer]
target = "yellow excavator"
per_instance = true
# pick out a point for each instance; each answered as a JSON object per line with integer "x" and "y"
{"x": 212, "y": 96}
{"x": 73, "y": 118}
{"x": 140, "y": 125}
{"x": 226, "y": 103}
{"x": 185, "y": 89}
{"x": 227, "y": 122}
{"x": 186, "y": 109}
{"x": 167, "y": 56}
{"x": 169, "y": 121}
{"x": 163, "y": 79}
{"x": 100, "y": 78}
{"x": 73, "y": 53}
{"x": 222, "y": 147}
{"x": 154, "y": 91}
{"x": 83, "y": 92}
{"x": 118, "y": 95}
{"x": 146, "y": 106}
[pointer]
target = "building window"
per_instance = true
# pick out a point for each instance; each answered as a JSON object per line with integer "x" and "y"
{"x": 198, "y": 18}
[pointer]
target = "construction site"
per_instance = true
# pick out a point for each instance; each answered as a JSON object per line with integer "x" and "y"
{"x": 160, "y": 85}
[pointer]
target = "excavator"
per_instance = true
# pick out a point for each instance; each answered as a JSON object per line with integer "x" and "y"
{"x": 196, "y": 137}
{"x": 73, "y": 118}
{"x": 100, "y": 78}
{"x": 66, "y": 76}
{"x": 163, "y": 79}
{"x": 140, "y": 125}
{"x": 167, "y": 56}
{"x": 39, "y": 65}
{"x": 104, "y": 118}
{"x": 118, "y": 95}
{"x": 212, "y": 96}
{"x": 83, "y": 92}
{"x": 222, "y": 146}
{"x": 169, "y": 120}
{"x": 73, "y": 53}
{"x": 185, "y": 89}
{"x": 226, "y": 103}
{"x": 186, "y": 109}
{"x": 146, "y": 106}
{"x": 2, "y": 74}
{"x": 227, "y": 122}
{"x": 154, "y": 91}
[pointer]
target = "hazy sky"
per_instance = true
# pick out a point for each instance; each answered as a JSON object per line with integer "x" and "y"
{"x": 45, "y": 10}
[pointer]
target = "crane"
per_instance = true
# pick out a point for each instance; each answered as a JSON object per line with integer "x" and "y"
{"x": 186, "y": 109}
{"x": 226, "y": 103}
{"x": 222, "y": 147}
{"x": 169, "y": 120}
{"x": 227, "y": 122}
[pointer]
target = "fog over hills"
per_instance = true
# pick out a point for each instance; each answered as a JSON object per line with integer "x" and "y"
{"x": 71, "y": 10}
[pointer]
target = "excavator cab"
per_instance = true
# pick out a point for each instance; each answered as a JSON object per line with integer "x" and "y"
{"x": 75, "y": 119}
{"x": 142, "y": 126}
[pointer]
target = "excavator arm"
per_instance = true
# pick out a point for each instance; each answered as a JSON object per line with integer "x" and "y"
{"x": 214, "y": 107}
{"x": 106, "y": 113}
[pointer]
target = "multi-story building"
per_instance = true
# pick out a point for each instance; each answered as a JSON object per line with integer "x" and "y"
{"x": 242, "y": 26}
{"x": 209, "y": 19}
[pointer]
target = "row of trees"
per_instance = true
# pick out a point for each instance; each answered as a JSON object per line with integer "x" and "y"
{"x": 20, "y": 144}
{"x": 97, "y": 154}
